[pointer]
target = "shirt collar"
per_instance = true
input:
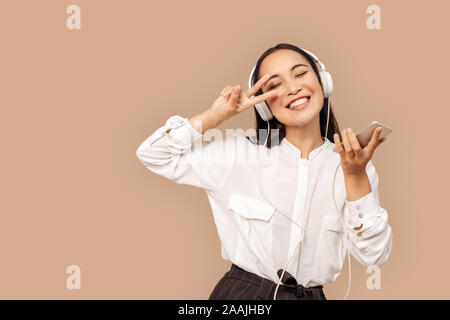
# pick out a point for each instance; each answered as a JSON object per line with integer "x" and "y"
{"x": 286, "y": 145}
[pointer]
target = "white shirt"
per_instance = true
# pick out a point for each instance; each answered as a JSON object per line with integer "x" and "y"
{"x": 252, "y": 188}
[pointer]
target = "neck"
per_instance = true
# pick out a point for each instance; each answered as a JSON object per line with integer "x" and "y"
{"x": 306, "y": 138}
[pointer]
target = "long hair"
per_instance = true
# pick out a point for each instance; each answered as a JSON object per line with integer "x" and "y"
{"x": 274, "y": 123}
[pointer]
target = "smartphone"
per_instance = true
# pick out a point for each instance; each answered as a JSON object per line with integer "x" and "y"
{"x": 365, "y": 134}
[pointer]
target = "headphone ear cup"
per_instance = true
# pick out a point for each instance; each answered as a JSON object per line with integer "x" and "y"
{"x": 327, "y": 84}
{"x": 264, "y": 111}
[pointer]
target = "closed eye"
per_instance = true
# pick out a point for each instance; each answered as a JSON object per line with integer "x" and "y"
{"x": 297, "y": 76}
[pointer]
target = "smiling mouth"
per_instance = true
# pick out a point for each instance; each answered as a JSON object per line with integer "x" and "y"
{"x": 299, "y": 103}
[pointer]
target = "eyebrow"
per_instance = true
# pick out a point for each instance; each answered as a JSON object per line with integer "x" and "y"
{"x": 293, "y": 67}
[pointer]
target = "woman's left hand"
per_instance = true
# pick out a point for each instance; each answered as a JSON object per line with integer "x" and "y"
{"x": 353, "y": 158}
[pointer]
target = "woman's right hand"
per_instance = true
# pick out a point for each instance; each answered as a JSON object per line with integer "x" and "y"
{"x": 231, "y": 101}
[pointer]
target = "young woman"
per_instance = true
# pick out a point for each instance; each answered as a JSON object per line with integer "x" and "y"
{"x": 285, "y": 214}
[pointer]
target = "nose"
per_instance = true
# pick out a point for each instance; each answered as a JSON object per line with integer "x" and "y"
{"x": 291, "y": 88}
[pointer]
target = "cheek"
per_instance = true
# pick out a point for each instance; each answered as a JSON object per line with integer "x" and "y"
{"x": 318, "y": 88}
{"x": 312, "y": 82}
{"x": 275, "y": 103}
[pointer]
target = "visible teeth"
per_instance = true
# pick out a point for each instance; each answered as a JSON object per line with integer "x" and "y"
{"x": 298, "y": 102}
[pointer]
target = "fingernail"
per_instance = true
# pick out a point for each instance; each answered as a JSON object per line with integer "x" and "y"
{"x": 236, "y": 90}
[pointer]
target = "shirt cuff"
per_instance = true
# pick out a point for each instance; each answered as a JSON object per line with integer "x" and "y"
{"x": 181, "y": 129}
{"x": 362, "y": 212}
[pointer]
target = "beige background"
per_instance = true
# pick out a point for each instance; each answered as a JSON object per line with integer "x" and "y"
{"x": 76, "y": 105}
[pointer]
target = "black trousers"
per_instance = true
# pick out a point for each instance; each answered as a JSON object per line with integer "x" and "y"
{"x": 239, "y": 284}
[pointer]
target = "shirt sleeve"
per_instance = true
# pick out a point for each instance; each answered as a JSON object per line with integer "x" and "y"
{"x": 372, "y": 243}
{"x": 180, "y": 157}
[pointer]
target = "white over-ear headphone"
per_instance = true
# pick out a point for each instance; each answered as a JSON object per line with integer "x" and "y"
{"x": 327, "y": 84}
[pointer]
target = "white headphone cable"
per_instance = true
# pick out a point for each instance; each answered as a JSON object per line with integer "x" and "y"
{"x": 301, "y": 227}
{"x": 346, "y": 236}
{"x": 268, "y": 131}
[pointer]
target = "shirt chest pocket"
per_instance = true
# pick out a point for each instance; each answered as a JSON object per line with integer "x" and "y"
{"x": 250, "y": 207}
{"x": 254, "y": 218}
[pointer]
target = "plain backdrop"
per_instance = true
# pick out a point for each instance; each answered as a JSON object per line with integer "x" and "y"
{"x": 76, "y": 104}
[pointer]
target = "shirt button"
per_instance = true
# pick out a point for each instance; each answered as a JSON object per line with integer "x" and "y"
{"x": 359, "y": 234}
{"x": 360, "y": 215}
{"x": 358, "y": 206}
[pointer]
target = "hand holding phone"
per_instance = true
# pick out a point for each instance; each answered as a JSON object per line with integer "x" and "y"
{"x": 365, "y": 134}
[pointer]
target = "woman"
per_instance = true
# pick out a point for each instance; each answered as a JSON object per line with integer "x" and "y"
{"x": 265, "y": 208}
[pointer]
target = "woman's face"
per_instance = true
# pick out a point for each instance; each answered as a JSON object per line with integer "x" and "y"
{"x": 291, "y": 84}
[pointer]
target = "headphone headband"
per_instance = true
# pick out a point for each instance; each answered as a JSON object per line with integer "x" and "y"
{"x": 322, "y": 66}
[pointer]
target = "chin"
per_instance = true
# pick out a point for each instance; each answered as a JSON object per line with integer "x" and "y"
{"x": 302, "y": 117}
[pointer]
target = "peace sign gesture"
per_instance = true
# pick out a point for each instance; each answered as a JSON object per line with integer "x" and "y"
{"x": 231, "y": 101}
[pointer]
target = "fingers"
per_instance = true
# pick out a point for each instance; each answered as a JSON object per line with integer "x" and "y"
{"x": 226, "y": 91}
{"x": 235, "y": 93}
{"x": 349, "y": 144}
{"x": 338, "y": 144}
{"x": 253, "y": 90}
{"x": 345, "y": 141}
{"x": 380, "y": 141}
{"x": 374, "y": 142}
{"x": 262, "y": 97}
{"x": 354, "y": 143}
